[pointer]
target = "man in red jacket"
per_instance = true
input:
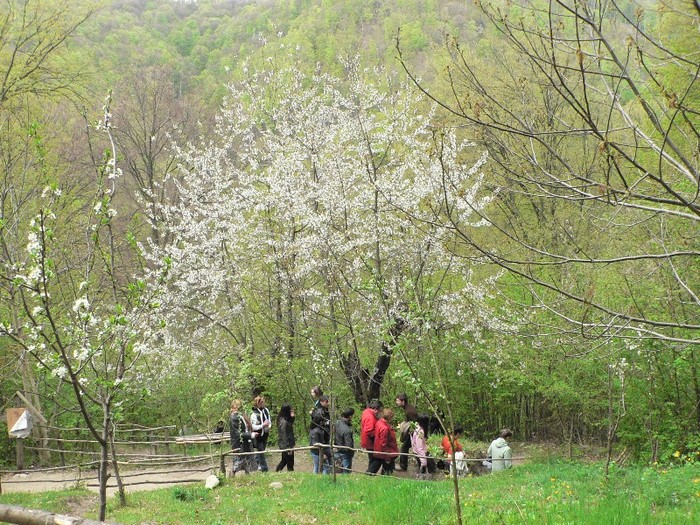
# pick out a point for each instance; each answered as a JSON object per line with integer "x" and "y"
{"x": 368, "y": 421}
{"x": 386, "y": 450}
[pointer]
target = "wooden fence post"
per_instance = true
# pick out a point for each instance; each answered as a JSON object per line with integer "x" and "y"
{"x": 61, "y": 453}
{"x": 222, "y": 462}
{"x": 19, "y": 450}
{"x": 167, "y": 441}
{"x": 154, "y": 446}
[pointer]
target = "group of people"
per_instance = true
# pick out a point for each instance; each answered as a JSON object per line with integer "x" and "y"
{"x": 249, "y": 435}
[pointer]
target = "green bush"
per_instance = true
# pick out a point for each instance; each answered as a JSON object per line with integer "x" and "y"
{"x": 191, "y": 493}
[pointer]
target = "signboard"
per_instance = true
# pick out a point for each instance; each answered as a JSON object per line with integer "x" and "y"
{"x": 19, "y": 422}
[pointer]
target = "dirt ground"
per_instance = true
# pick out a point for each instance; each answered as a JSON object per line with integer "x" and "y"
{"x": 141, "y": 479}
{"x": 151, "y": 478}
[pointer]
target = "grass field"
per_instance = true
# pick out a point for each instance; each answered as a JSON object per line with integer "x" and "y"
{"x": 550, "y": 492}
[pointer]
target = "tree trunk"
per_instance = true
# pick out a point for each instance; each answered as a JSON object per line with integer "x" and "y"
{"x": 696, "y": 387}
{"x": 374, "y": 388}
{"x": 366, "y": 386}
{"x": 104, "y": 462}
{"x": 352, "y": 368}
{"x": 115, "y": 466}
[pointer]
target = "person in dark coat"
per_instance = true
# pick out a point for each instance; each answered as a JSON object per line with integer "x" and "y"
{"x": 321, "y": 416}
{"x": 410, "y": 415}
{"x": 285, "y": 437}
{"x": 318, "y": 436}
{"x": 344, "y": 440}
{"x": 241, "y": 436}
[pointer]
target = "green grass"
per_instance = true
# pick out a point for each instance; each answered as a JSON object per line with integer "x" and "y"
{"x": 561, "y": 492}
{"x": 541, "y": 493}
{"x": 61, "y": 502}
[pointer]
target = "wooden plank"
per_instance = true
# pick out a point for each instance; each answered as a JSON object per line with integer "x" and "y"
{"x": 33, "y": 410}
{"x": 19, "y": 449}
{"x": 195, "y": 439}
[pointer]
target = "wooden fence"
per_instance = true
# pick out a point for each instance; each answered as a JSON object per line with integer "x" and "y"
{"x": 144, "y": 453}
{"x": 137, "y": 448}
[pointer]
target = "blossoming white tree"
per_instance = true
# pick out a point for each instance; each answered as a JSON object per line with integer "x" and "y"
{"x": 306, "y": 231}
{"x": 86, "y": 317}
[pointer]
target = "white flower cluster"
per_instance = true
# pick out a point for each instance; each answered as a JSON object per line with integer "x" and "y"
{"x": 327, "y": 199}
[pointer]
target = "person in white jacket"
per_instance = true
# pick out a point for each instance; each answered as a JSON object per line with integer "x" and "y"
{"x": 500, "y": 453}
{"x": 260, "y": 422}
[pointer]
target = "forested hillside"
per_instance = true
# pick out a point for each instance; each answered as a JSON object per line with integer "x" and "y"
{"x": 490, "y": 206}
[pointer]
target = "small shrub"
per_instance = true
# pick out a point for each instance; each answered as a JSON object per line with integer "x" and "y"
{"x": 190, "y": 493}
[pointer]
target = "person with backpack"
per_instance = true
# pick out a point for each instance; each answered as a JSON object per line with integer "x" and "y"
{"x": 285, "y": 437}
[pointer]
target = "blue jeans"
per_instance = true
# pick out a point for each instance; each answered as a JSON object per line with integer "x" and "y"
{"x": 317, "y": 464}
{"x": 345, "y": 461}
{"x": 261, "y": 444}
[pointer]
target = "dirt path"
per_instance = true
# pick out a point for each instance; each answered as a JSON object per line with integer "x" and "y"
{"x": 145, "y": 479}
{"x": 135, "y": 480}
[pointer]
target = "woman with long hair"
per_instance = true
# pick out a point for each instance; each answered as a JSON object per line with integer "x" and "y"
{"x": 261, "y": 422}
{"x": 386, "y": 450}
{"x": 241, "y": 436}
{"x": 286, "y": 440}
{"x": 419, "y": 443}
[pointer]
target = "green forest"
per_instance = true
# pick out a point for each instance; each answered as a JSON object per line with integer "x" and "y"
{"x": 491, "y": 206}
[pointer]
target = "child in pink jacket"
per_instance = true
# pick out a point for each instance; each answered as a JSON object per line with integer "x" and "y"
{"x": 419, "y": 443}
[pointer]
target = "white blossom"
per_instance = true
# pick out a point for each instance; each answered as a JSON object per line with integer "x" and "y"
{"x": 81, "y": 304}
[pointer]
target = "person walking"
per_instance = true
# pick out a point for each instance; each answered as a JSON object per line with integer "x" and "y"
{"x": 320, "y": 440}
{"x": 419, "y": 444}
{"x": 241, "y": 437}
{"x": 368, "y": 422}
{"x": 322, "y": 414}
{"x": 385, "y": 447}
{"x": 344, "y": 440}
{"x": 261, "y": 422}
{"x": 285, "y": 437}
{"x": 410, "y": 415}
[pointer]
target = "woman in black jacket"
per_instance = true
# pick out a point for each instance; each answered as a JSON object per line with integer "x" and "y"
{"x": 344, "y": 440}
{"x": 319, "y": 436}
{"x": 241, "y": 437}
{"x": 285, "y": 433}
